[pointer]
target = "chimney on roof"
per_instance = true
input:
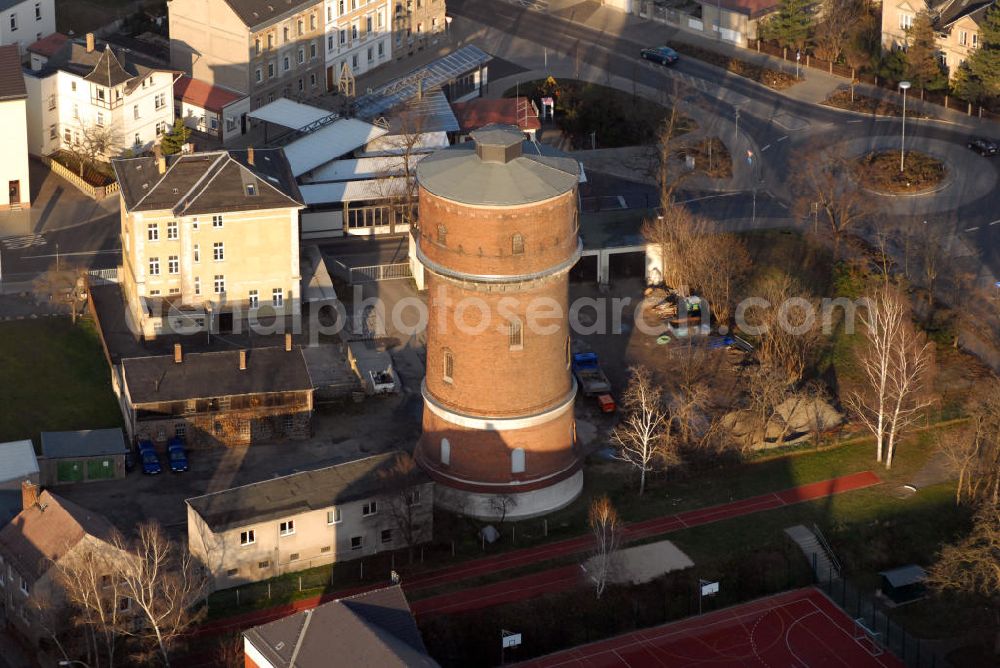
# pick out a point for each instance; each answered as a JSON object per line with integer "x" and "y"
{"x": 90, "y": 42}
{"x": 288, "y": 342}
{"x": 250, "y": 155}
{"x": 243, "y": 360}
{"x": 29, "y": 494}
{"x": 178, "y": 354}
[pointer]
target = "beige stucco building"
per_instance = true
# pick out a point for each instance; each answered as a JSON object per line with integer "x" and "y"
{"x": 956, "y": 26}
{"x": 261, "y": 48}
{"x": 307, "y": 519}
{"x": 208, "y": 239}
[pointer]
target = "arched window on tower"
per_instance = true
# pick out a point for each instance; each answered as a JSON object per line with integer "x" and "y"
{"x": 517, "y": 244}
{"x": 442, "y": 235}
{"x": 448, "y": 370}
{"x": 517, "y": 460}
{"x": 445, "y": 452}
{"x": 515, "y": 335}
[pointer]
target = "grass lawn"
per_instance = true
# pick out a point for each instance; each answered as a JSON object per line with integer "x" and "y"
{"x": 54, "y": 378}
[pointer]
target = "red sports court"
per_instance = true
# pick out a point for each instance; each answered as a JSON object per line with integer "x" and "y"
{"x": 797, "y": 628}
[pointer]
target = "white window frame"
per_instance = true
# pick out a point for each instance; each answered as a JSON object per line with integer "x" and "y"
{"x": 218, "y": 251}
{"x": 248, "y": 537}
{"x": 369, "y": 509}
{"x": 277, "y": 297}
{"x": 286, "y": 528}
{"x": 334, "y": 516}
{"x": 152, "y": 232}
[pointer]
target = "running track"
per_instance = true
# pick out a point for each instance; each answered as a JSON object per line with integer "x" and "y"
{"x": 557, "y": 579}
{"x": 796, "y": 628}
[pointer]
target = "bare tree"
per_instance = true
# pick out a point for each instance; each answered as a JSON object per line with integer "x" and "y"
{"x": 606, "y": 528}
{"x": 784, "y": 320}
{"x": 834, "y": 30}
{"x": 972, "y": 565}
{"x": 397, "y": 180}
{"x": 973, "y": 454}
{"x": 61, "y": 286}
{"x": 643, "y": 437}
{"x": 164, "y": 582}
{"x": 896, "y": 363}
{"x": 400, "y": 489}
{"x": 97, "y": 598}
{"x": 93, "y": 143}
{"x": 721, "y": 267}
{"x": 823, "y": 188}
{"x": 501, "y": 505}
{"x": 687, "y": 393}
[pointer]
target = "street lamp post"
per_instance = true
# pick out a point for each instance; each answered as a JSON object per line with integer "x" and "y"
{"x": 904, "y": 86}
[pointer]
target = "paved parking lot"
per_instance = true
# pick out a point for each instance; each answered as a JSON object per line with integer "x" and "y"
{"x": 341, "y": 432}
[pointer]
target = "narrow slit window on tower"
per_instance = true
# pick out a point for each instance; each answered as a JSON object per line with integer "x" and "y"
{"x": 515, "y": 335}
{"x": 445, "y": 452}
{"x": 517, "y": 460}
{"x": 448, "y": 372}
{"x": 569, "y": 353}
{"x": 517, "y": 244}
{"x": 442, "y": 235}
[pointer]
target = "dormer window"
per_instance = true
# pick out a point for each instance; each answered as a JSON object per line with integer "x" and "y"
{"x": 251, "y": 190}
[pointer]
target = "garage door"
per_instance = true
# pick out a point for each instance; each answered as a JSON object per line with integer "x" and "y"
{"x": 100, "y": 469}
{"x": 69, "y": 471}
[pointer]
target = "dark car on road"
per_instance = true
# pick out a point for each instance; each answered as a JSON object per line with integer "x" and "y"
{"x": 177, "y": 455}
{"x": 983, "y": 146}
{"x": 663, "y": 55}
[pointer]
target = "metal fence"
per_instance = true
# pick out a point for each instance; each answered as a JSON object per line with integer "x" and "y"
{"x": 103, "y": 276}
{"x": 912, "y": 651}
{"x": 380, "y": 272}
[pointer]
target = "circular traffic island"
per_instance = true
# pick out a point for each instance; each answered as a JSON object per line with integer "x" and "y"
{"x": 879, "y": 171}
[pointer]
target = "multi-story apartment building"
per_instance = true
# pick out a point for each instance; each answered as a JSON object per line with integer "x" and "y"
{"x": 208, "y": 240}
{"x": 14, "y": 124}
{"x": 262, "y": 48}
{"x": 956, "y": 26}
{"x": 84, "y": 85}
{"x": 307, "y": 519}
{"x": 25, "y": 21}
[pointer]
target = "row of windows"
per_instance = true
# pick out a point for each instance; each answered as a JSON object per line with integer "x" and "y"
{"x": 153, "y": 229}
{"x": 286, "y": 64}
{"x": 333, "y": 516}
{"x": 7, "y": 575}
{"x": 516, "y": 240}
{"x": 286, "y": 34}
{"x": 13, "y": 16}
{"x": 357, "y": 543}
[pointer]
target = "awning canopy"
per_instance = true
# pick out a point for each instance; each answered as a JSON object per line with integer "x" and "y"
{"x": 289, "y": 114}
{"x": 353, "y": 191}
{"x": 329, "y": 143}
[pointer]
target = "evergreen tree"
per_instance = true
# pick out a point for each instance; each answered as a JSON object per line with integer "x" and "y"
{"x": 790, "y": 26}
{"x": 922, "y": 64}
{"x": 982, "y": 79}
{"x": 174, "y": 141}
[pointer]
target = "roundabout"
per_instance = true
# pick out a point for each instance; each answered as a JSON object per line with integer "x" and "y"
{"x": 897, "y": 173}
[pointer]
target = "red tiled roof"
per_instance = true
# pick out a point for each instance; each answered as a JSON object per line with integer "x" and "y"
{"x": 202, "y": 94}
{"x": 49, "y": 46}
{"x": 478, "y": 112}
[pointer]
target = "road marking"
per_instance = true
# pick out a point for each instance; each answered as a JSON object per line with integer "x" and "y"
{"x": 857, "y": 121}
{"x": 781, "y": 139}
{"x": 765, "y": 148}
{"x": 995, "y": 222}
{"x": 782, "y": 205}
{"x": 698, "y": 199}
{"x": 26, "y": 241}
{"x": 972, "y": 229}
{"x": 882, "y": 120}
{"x": 96, "y": 252}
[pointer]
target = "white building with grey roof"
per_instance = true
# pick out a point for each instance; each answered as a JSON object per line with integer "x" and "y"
{"x": 307, "y": 519}
{"x": 25, "y": 21}
{"x": 86, "y": 89}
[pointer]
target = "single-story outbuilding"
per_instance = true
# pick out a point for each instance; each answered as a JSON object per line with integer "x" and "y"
{"x": 82, "y": 456}
{"x": 903, "y": 584}
{"x": 17, "y": 464}
{"x": 211, "y": 109}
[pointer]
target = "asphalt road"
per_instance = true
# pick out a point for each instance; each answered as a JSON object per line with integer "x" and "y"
{"x": 762, "y": 114}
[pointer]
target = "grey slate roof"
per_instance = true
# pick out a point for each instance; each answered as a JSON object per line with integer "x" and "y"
{"x": 953, "y": 10}
{"x": 256, "y": 12}
{"x": 103, "y": 66}
{"x": 372, "y": 629}
{"x": 209, "y": 182}
{"x": 905, "y": 575}
{"x": 215, "y": 374}
{"x": 457, "y": 172}
{"x": 87, "y": 443}
{"x": 296, "y": 493}
{"x": 17, "y": 460}
{"x": 11, "y": 77}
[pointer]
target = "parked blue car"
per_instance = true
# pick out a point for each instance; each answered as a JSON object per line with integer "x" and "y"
{"x": 149, "y": 459}
{"x": 177, "y": 455}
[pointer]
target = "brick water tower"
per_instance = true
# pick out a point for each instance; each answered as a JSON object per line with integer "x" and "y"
{"x": 498, "y": 235}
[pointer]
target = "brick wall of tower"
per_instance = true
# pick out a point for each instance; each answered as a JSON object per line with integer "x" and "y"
{"x": 479, "y": 240}
{"x": 486, "y": 456}
{"x": 488, "y": 377}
